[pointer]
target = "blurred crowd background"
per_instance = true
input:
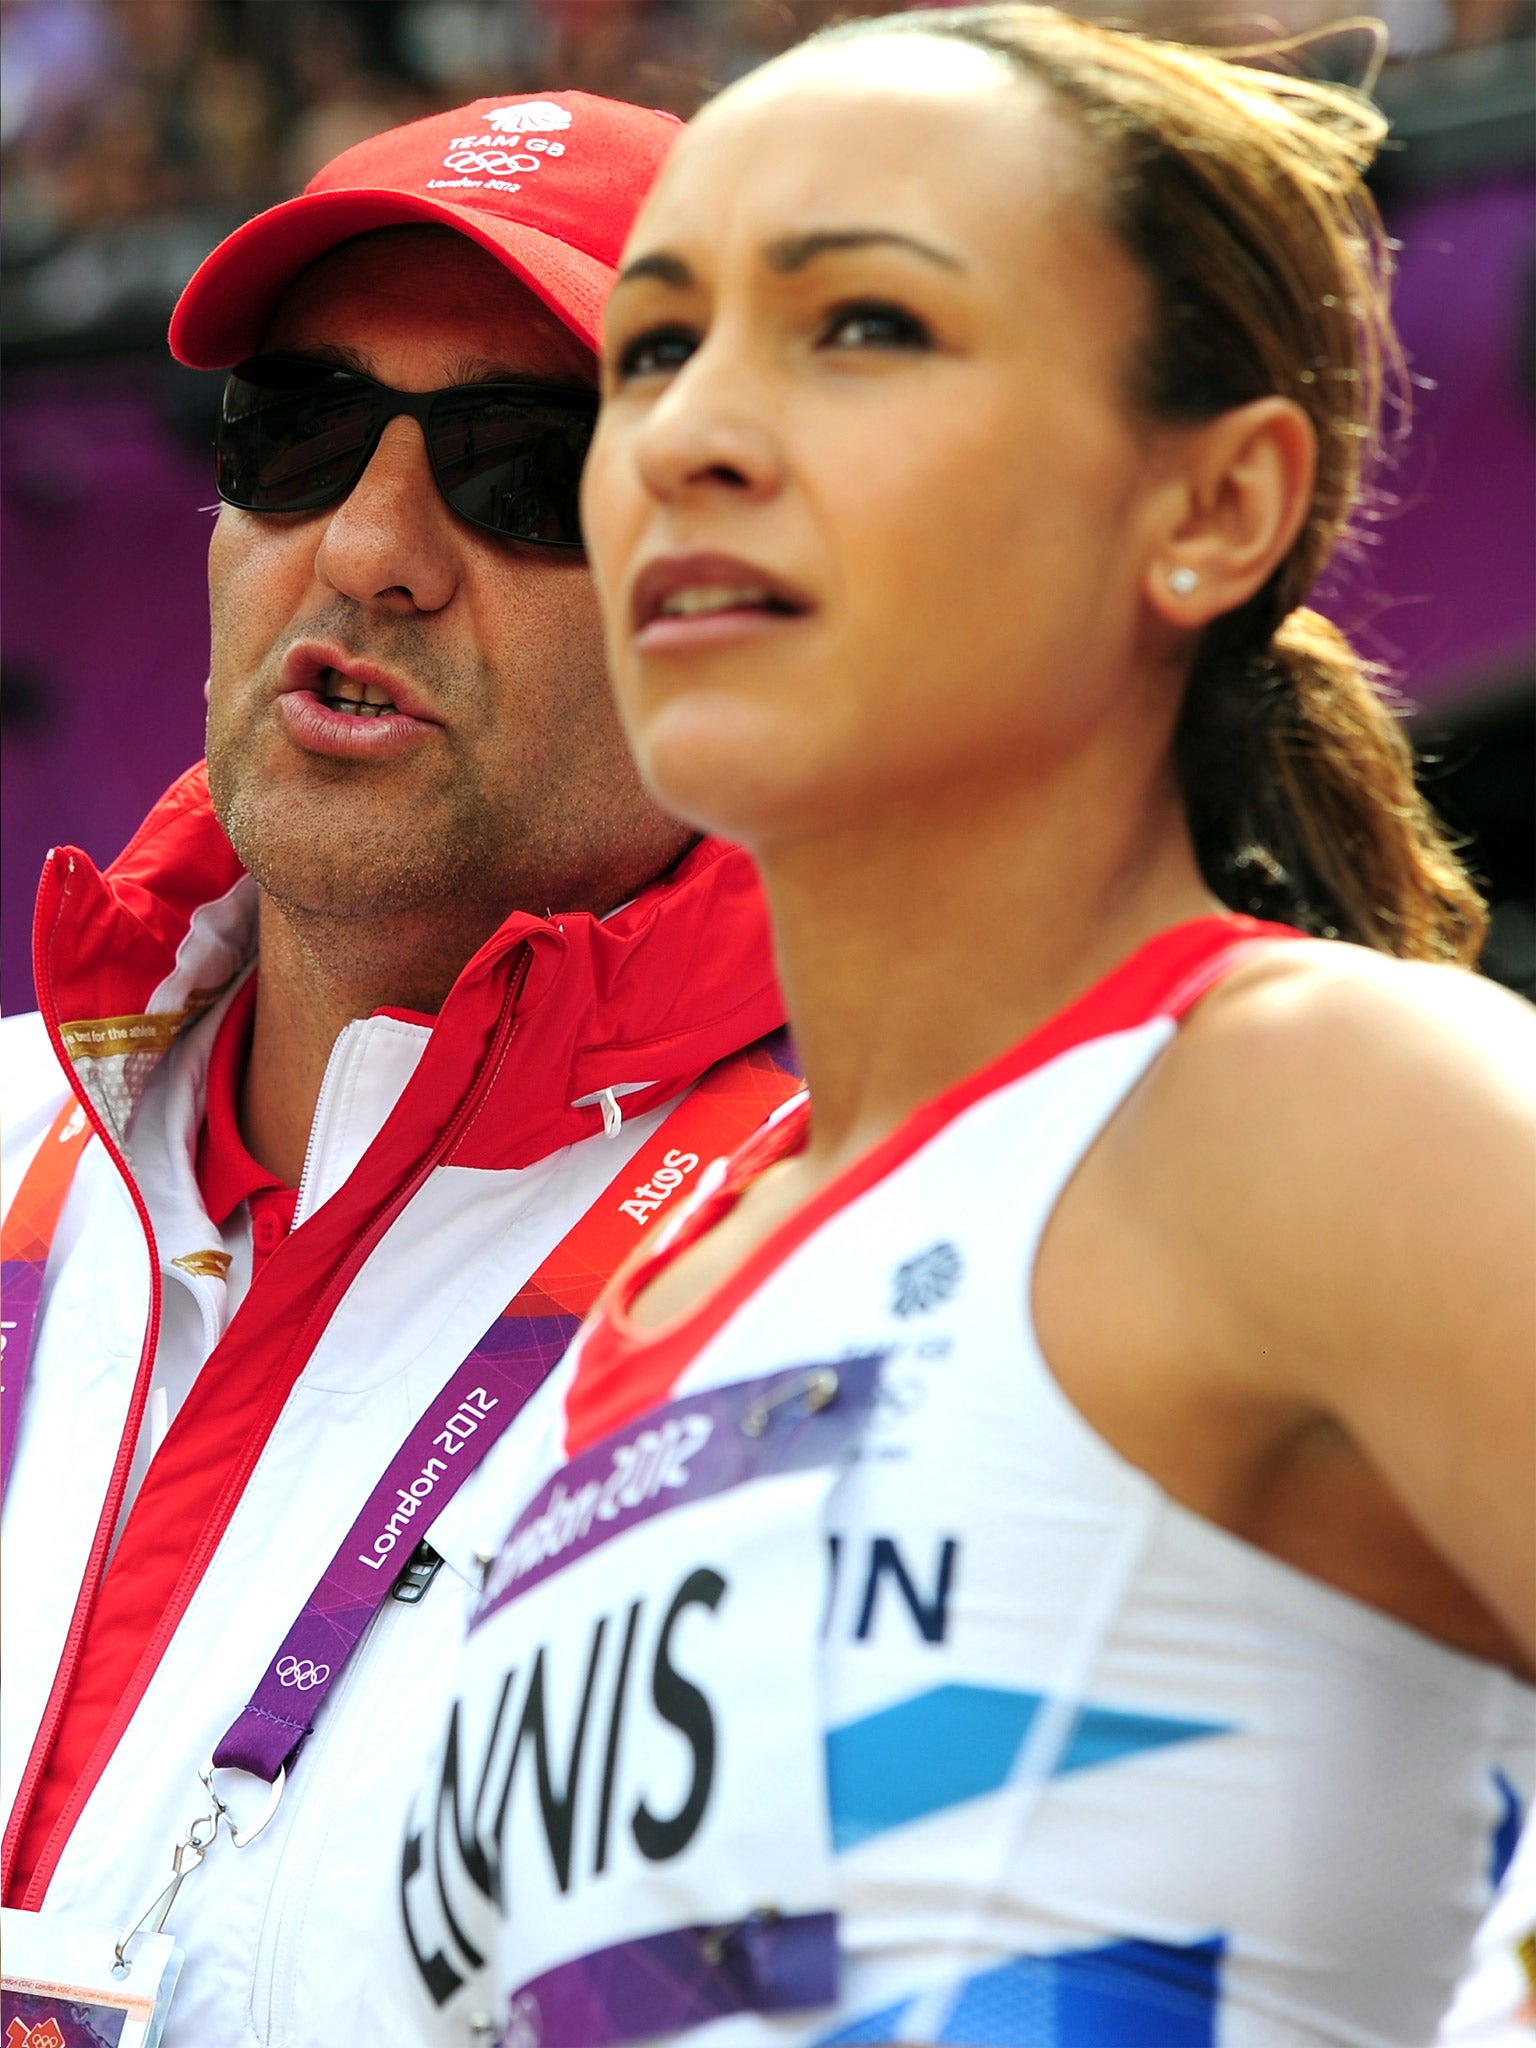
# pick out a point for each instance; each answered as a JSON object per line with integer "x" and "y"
{"x": 135, "y": 133}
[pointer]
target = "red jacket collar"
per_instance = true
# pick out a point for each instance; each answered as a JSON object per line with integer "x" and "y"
{"x": 642, "y": 1002}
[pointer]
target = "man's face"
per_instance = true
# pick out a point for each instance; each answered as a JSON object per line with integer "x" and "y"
{"x": 509, "y": 785}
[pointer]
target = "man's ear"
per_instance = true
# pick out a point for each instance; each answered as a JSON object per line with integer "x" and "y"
{"x": 1236, "y": 496}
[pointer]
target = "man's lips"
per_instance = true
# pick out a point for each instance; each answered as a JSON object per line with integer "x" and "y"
{"x": 699, "y": 600}
{"x": 334, "y": 704}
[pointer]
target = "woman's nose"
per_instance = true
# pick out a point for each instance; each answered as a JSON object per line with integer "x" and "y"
{"x": 711, "y": 431}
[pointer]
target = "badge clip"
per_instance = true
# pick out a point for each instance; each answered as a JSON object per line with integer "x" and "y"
{"x": 190, "y": 1851}
{"x": 817, "y": 1390}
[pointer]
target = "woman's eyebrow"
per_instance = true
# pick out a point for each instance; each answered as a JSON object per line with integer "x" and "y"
{"x": 794, "y": 252}
{"x": 789, "y": 254}
{"x": 660, "y": 264}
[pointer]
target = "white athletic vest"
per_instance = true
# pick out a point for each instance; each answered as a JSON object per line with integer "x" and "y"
{"x": 1098, "y": 1774}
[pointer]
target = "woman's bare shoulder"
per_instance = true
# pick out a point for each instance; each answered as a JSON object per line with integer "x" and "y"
{"x": 1341, "y": 1115}
{"x": 1320, "y": 1042}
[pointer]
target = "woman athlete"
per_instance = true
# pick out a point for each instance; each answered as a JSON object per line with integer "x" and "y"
{"x": 1039, "y": 1551}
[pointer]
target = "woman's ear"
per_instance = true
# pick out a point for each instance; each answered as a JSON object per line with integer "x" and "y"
{"x": 1236, "y": 497}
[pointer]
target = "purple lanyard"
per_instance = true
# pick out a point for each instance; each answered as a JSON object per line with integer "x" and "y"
{"x": 491, "y": 1386}
{"x": 460, "y": 1425}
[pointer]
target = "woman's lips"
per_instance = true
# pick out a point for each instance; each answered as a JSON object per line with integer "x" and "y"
{"x": 683, "y": 602}
{"x": 670, "y": 635}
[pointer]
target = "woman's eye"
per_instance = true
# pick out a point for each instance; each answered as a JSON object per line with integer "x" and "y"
{"x": 875, "y": 326}
{"x": 655, "y": 353}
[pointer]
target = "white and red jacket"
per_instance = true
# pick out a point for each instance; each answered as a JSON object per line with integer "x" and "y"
{"x": 445, "y": 1162}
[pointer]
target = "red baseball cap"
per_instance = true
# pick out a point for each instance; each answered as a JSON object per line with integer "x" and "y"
{"x": 549, "y": 183}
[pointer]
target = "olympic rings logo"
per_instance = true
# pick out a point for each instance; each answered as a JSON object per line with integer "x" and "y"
{"x": 495, "y": 163}
{"x": 300, "y": 1673}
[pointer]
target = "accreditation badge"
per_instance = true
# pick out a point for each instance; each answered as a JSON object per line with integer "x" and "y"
{"x": 63, "y": 1986}
{"x": 626, "y": 1833}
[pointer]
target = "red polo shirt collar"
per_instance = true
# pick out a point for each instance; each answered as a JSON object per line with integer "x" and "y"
{"x": 227, "y": 1175}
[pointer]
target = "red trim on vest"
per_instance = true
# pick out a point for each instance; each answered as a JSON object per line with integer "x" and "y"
{"x": 134, "y": 1597}
{"x": 622, "y": 1371}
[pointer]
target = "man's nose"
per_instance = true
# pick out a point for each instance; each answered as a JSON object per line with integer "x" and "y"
{"x": 392, "y": 541}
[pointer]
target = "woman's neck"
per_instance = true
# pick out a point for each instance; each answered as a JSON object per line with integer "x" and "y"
{"x": 914, "y": 949}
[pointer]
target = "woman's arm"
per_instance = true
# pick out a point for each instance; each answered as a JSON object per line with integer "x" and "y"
{"x": 1357, "y": 1184}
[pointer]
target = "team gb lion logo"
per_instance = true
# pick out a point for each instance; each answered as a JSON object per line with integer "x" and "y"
{"x": 533, "y": 117}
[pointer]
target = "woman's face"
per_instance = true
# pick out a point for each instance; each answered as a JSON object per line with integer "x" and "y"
{"x": 868, "y": 507}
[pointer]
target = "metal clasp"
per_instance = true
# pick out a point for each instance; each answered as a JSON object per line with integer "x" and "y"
{"x": 189, "y": 1853}
{"x": 716, "y": 1943}
{"x": 818, "y": 1390}
{"x": 191, "y": 1850}
{"x": 243, "y": 1840}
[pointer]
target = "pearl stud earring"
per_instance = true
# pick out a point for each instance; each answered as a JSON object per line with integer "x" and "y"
{"x": 1181, "y": 581}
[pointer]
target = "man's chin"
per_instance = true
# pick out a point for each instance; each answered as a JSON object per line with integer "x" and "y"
{"x": 338, "y": 858}
{"x": 364, "y": 901}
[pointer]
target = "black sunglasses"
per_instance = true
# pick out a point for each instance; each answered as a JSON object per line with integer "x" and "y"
{"x": 295, "y": 434}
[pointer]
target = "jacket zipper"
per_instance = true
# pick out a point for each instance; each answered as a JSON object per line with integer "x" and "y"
{"x": 95, "y": 1568}
{"x": 316, "y": 1133}
{"x": 319, "y": 1316}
